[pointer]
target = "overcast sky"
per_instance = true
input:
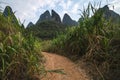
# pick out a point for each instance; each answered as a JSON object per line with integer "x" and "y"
{"x": 30, "y": 10}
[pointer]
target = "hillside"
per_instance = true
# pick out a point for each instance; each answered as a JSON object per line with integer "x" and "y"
{"x": 9, "y": 13}
{"x": 49, "y": 25}
{"x": 109, "y": 15}
{"x": 46, "y": 30}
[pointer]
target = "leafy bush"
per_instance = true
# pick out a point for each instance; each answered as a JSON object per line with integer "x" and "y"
{"x": 20, "y": 57}
{"x": 93, "y": 40}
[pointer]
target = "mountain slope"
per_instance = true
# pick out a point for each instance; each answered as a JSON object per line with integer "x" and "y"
{"x": 8, "y": 12}
{"x": 49, "y": 25}
{"x": 46, "y": 29}
{"x": 109, "y": 14}
{"x": 30, "y": 24}
{"x": 68, "y": 21}
{"x": 44, "y": 17}
{"x": 55, "y": 17}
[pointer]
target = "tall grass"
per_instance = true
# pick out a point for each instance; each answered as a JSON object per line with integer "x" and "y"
{"x": 95, "y": 39}
{"x": 20, "y": 57}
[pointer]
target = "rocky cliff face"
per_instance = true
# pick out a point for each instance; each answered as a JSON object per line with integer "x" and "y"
{"x": 47, "y": 17}
{"x": 30, "y": 24}
{"x": 8, "y": 12}
{"x": 68, "y": 21}
{"x": 44, "y": 17}
{"x": 55, "y": 17}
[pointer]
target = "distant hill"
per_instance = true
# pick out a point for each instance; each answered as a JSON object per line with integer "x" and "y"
{"x": 68, "y": 21}
{"x": 49, "y": 25}
{"x": 46, "y": 29}
{"x": 109, "y": 14}
{"x": 30, "y": 24}
{"x": 8, "y": 12}
{"x": 44, "y": 17}
{"x": 10, "y": 15}
{"x": 47, "y": 17}
{"x": 54, "y": 16}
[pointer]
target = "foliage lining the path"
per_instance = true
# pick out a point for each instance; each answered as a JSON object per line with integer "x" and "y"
{"x": 96, "y": 39}
{"x": 20, "y": 57}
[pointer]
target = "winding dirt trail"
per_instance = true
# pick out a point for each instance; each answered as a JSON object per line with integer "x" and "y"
{"x": 54, "y": 61}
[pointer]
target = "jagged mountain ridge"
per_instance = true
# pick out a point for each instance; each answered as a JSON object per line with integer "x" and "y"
{"x": 47, "y": 27}
{"x": 49, "y": 24}
{"x": 109, "y": 14}
{"x": 30, "y": 24}
{"x": 54, "y": 16}
{"x": 8, "y": 12}
{"x": 44, "y": 17}
{"x": 68, "y": 21}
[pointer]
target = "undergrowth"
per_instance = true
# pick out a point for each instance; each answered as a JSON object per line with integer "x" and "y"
{"x": 20, "y": 57}
{"x": 96, "y": 40}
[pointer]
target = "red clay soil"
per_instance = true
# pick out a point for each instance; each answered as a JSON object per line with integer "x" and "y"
{"x": 54, "y": 61}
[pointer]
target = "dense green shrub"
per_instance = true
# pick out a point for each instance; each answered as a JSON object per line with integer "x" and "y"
{"x": 20, "y": 57}
{"x": 97, "y": 40}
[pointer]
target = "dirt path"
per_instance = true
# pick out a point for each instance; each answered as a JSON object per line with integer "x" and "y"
{"x": 54, "y": 61}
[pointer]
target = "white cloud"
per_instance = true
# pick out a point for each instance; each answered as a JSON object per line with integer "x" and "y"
{"x": 115, "y": 5}
{"x": 30, "y": 10}
{"x": 75, "y": 8}
{"x": 69, "y": 7}
{"x": 32, "y": 7}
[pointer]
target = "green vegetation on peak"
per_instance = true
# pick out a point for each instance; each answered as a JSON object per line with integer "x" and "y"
{"x": 8, "y": 13}
{"x": 109, "y": 14}
{"x": 68, "y": 21}
{"x": 46, "y": 30}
